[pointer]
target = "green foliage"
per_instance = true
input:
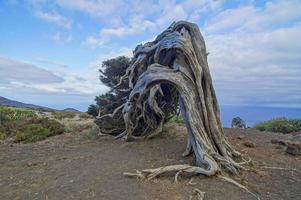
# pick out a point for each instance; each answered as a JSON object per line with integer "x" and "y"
{"x": 54, "y": 126}
{"x": 2, "y": 135}
{"x": 110, "y": 74}
{"x": 93, "y": 110}
{"x": 93, "y": 133}
{"x": 84, "y": 116}
{"x": 17, "y": 122}
{"x": 282, "y": 125}
{"x": 62, "y": 115}
{"x": 113, "y": 69}
{"x": 176, "y": 119}
{"x": 32, "y": 133}
{"x": 12, "y": 119}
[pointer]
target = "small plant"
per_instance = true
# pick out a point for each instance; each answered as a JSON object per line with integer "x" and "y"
{"x": 237, "y": 122}
{"x": 32, "y": 133}
{"x": 93, "y": 133}
{"x": 2, "y": 135}
{"x": 281, "y": 125}
{"x": 176, "y": 119}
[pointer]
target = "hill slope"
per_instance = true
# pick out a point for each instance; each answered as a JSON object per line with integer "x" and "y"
{"x": 8, "y": 102}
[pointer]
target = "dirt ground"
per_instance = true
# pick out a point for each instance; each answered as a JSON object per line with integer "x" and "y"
{"x": 70, "y": 166}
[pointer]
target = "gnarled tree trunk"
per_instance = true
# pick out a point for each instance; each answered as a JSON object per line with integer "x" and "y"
{"x": 170, "y": 71}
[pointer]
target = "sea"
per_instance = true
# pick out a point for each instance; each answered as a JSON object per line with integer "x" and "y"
{"x": 252, "y": 114}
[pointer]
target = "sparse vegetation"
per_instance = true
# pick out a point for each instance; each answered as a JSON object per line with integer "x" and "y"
{"x": 2, "y": 135}
{"x": 26, "y": 126}
{"x": 84, "y": 116}
{"x": 78, "y": 127}
{"x": 93, "y": 133}
{"x": 54, "y": 126}
{"x": 61, "y": 115}
{"x": 281, "y": 125}
{"x": 12, "y": 119}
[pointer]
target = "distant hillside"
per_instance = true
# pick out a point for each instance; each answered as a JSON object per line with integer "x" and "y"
{"x": 70, "y": 110}
{"x": 8, "y": 102}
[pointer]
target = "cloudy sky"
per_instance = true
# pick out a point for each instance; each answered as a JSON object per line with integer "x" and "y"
{"x": 50, "y": 50}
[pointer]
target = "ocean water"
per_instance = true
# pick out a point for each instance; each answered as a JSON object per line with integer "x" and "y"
{"x": 252, "y": 115}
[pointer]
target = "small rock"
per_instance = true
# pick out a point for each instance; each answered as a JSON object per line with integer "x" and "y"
{"x": 249, "y": 144}
{"x": 277, "y": 141}
{"x": 30, "y": 164}
{"x": 241, "y": 137}
{"x": 293, "y": 149}
{"x": 278, "y": 147}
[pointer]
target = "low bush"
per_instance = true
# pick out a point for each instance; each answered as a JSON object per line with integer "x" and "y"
{"x": 85, "y": 116}
{"x": 62, "y": 115}
{"x": 93, "y": 133}
{"x": 54, "y": 126}
{"x": 17, "y": 122}
{"x": 32, "y": 133}
{"x": 2, "y": 136}
{"x": 12, "y": 119}
{"x": 78, "y": 127}
{"x": 281, "y": 125}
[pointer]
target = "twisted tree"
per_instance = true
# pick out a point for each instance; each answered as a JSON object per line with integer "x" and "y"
{"x": 167, "y": 73}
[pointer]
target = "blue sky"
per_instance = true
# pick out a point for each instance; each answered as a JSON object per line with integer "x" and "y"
{"x": 50, "y": 51}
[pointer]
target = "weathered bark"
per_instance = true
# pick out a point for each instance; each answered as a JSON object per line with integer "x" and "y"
{"x": 170, "y": 71}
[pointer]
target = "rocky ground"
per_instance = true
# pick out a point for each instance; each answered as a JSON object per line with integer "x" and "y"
{"x": 72, "y": 166}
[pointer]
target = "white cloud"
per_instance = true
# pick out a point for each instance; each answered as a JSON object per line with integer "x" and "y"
{"x": 255, "y": 54}
{"x": 21, "y": 76}
{"x": 12, "y": 70}
{"x": 61, "y": 37}
{"x": 54, "y": 18}
{"x": 52, "y": 63}
{"x": 93, "y": 42}
{"x": 148, "y": 16}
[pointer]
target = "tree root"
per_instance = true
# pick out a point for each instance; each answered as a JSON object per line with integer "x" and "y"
{"x": 198, "y": 194}
{"x": 150, "y": 174}
{"x": 230, "y": 180}
{"x": 281, "y": 168}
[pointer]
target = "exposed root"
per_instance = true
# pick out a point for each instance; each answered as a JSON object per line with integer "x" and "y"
{"x": 198, "y": 194}
{"x": 177, "y": 175}
{"x": 190, "y": 182}
{"x": 230, "y": 180}
{"x": 138, "y": 174}
{"x": 281, "y": 168}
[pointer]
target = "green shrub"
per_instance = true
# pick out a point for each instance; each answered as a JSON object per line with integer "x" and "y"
{"x": 282, "y": 125}
{"x": 32, "y": 133}
{"x": 62, "y": 115}
{"x": 93, "y": 133}
{"x": 12, "y": 119}
{"x": 2, "y": 136}
{"x": 85, "y": 116}
{"x": 54, "y": 126}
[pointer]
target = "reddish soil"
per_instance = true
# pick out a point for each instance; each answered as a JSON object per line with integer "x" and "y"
{"x": 71, "y": 166}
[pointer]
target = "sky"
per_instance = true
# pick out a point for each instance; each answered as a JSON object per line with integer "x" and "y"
{"x": 51, "y": 50}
